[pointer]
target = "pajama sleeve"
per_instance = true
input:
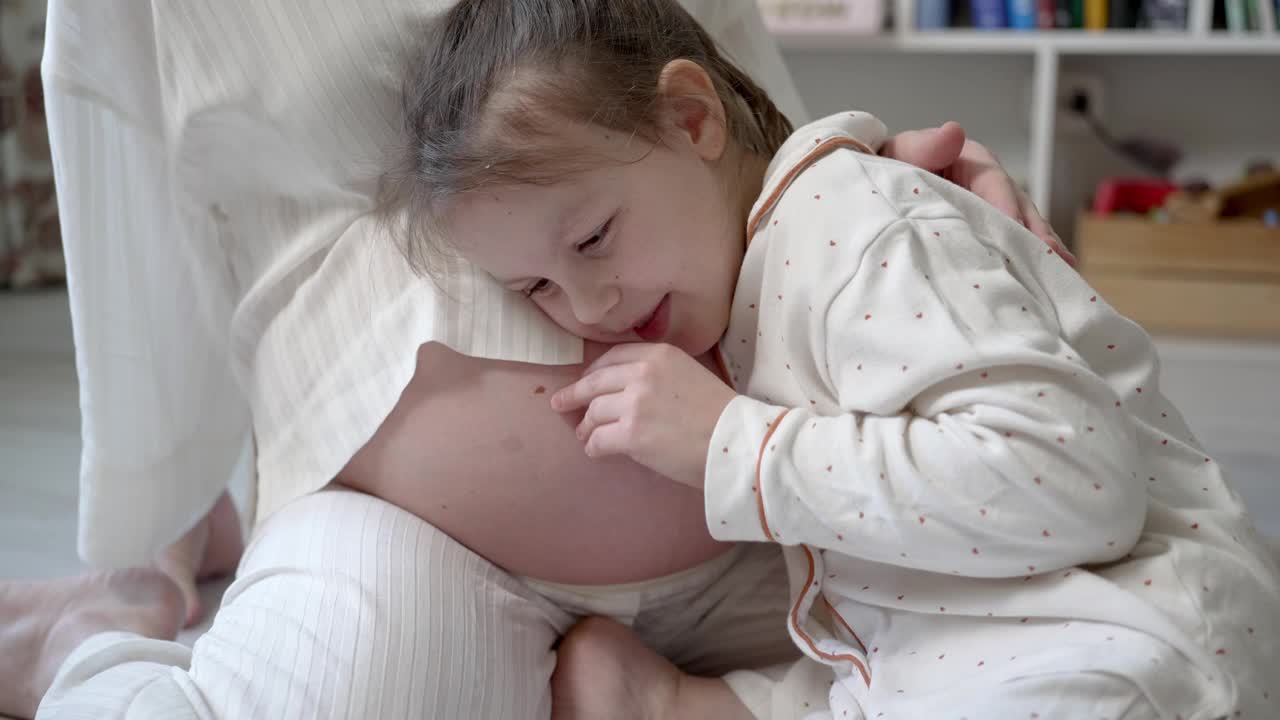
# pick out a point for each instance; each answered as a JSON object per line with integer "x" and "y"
{"x": 163, "y": 420}
{"x": 966, "y": 436}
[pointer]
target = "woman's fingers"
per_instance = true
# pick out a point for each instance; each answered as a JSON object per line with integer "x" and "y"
{"x": 931, "y": 149}
{"x": 973, "y": 166}
{"x": 1036, "y": 223}
{"x": 980, "y": 172}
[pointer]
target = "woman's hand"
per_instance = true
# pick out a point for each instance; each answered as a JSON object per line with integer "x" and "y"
{"x": 946, "y": 151}
{"x": 652, "y": 403}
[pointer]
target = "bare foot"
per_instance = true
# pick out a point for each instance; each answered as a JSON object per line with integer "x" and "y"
{"x": 211, "y": 549}
{"x": 44, "y": 620}
{"x": 604, "y": 672}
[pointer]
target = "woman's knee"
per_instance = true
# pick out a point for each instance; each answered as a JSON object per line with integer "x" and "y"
{"x": 348, "y": 606}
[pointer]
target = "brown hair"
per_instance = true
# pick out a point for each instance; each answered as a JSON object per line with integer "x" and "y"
{"x": 476, "y": 101}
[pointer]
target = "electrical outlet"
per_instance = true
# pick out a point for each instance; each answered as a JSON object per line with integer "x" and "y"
{"x": 1075, "y": 89}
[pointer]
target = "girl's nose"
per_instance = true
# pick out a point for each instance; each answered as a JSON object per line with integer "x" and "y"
{"x": 592, "y": 303}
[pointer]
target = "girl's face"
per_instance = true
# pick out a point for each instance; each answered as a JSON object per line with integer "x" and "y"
{"x": 645, "y": 249}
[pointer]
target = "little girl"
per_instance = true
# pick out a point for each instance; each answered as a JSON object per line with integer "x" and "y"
{"x": 988, "y": 508}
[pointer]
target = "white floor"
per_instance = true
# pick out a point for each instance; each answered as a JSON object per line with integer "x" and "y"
{"x": 1230, "y": 392}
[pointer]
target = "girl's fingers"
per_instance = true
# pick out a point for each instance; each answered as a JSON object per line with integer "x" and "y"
{"x": 606, "y": 380}
{"x": 604, "y": 409}
{"x": 607, "y": 439}
{"x": 620, "y": 355}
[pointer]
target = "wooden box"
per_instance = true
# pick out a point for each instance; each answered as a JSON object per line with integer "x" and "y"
{"x": 1217, "y": 279}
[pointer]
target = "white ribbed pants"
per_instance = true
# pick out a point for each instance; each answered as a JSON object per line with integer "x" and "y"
{"x": 346, "y": 606}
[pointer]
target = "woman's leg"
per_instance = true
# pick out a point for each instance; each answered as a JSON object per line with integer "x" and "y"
{"x": 42, "y": 621}
{"x": 963, "y": 667}
{"x": 345, "y": 607}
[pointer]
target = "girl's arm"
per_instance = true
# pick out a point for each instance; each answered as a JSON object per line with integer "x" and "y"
{"x": 964, "y": 436}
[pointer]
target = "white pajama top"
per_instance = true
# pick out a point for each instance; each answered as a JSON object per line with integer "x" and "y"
{"x": 939, "y": 418}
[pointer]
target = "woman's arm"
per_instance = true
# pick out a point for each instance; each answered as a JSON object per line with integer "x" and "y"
{"x": 163, "y": 419}
{"x": 948, "y": 152}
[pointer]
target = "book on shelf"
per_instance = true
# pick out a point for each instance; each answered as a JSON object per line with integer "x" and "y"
{"x": 1045, "y": 11}
{"x": 869, "y": 16}
{"x": 1095, "y": 14}
{"x": 1063, "y": 17}
{"x": 988, "y": 14}
{"x": 933, "y": 14}
{"x": 1261, "y": 15}
{"x": 1164, "y": 14}
{"x": 1219, "y": 21}
{"x": 1066, "y": 14}
{"x": 1022, "y": 14}
{"x": 1123, "y": 14}
{"x": 1236, "y": 18}
{"x": 1244, "y": 15}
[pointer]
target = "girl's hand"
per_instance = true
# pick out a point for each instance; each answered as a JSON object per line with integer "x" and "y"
{"x": 652, "y": 403}
{"x": 946, "y": 151}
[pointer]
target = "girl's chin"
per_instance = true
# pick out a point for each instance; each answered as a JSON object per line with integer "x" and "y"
{"x": 696, "y": 344}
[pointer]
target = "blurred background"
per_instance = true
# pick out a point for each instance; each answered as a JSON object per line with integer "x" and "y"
{"x": 1147, "y": 130}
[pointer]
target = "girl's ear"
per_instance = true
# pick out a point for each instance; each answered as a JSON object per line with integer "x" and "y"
{"x": 691, "y": 108}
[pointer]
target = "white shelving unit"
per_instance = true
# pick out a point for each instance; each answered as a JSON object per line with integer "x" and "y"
{"x": 1046, "y": 48}
{"x": 1067, "y": 42}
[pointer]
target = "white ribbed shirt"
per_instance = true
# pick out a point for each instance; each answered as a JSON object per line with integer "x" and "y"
{"x": 216, "y": 165}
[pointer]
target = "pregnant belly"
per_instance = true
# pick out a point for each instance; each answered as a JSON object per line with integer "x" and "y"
{"x": 474, "y": 448}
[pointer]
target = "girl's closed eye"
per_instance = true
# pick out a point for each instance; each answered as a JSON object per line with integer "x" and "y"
{"x": 596, "y": 240}
{"x": 539, "y": 287}
{"x": 593, "y": 244}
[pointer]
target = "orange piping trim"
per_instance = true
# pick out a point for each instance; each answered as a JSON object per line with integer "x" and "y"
{"x": 808, "y": 584}
{"x": 764, "y": 522}
{"x": 836, "y": 613}
{"x": 812, "y": 155}
{"x": 795, "y": 624}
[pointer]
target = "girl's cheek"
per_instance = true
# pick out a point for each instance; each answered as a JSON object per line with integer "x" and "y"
{"x": 560, "y": 314}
